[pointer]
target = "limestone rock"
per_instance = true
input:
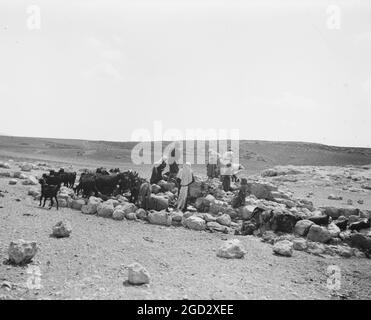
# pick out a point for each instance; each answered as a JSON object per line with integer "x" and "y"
{"x": 299, "y": 244}
{"x": 318, "y": 234}
{"x": 283, "y": 248}
{"x": 302, "y": 227}
{"x": 105, "y": 210}
{"x": 160, "y": 218}
{"x": 62, "y": 230}
{"x": 138, "y": 274}
{"x": 231, "y": 249}
{"x": 21, "y": 251}
{"x": 195, "y": 223}
{"x": 77, "y": 204}
{"x": 118, "y": 214}
{"x": 13, "y": 182}
{"x": 334, "y": 230}
{"x": 224, "y": 220}
{"x": 141, "y": 214}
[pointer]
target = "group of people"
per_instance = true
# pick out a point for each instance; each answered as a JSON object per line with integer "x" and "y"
{"x": 182, "y": 177}
{"x": 223, "y": 167}
{"x": 218, "y": 166}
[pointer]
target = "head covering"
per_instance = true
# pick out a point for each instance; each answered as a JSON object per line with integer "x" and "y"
{"x": 160, "y": 162}
{"x": 185, "y": 174}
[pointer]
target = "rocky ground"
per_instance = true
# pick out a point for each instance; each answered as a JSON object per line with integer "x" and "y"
{"x": 93, "y": 262}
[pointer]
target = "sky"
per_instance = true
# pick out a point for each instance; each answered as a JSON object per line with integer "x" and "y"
{"x": 106, "y": 70}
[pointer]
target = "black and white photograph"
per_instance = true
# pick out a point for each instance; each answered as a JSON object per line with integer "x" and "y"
{"x": 204, "y": 152}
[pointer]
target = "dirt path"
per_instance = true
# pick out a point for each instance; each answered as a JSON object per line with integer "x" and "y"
{"x": 91, "y": 264}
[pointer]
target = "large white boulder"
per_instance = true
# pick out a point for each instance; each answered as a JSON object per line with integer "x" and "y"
{"x": 105, "y": 210}
{"x": 224, "y": 220}
{"x": 318, "y": 234}
{"x": 141, "y": 214}
{"x": 118, "y": 214}
{"x": 302, "y": 227}
{"x": 195, "y": 223}
{"x": 21, "y": 251}
{"x": 31, "y": 181}
{"x": 77, "y": 204}
{"x": 160, "y": 218}
{"x": 231, "y": 249}
{"x": 26, "y": 167}
{"x": 138, "y": 274}
{"x": 62, "y": 230}
{"x": 299, "y": 244}
{"x": 283, "y": 248}
{"x": 91, "y": 206}
{"x": 334, "y": 230}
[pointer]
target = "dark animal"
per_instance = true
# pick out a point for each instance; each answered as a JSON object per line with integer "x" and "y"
{"x": 67, "y": 178}
{"x": 53, "y": 180}
{"x": 87, "y": 185}
{"x": 116, "y": 170}
{"x": 102, "y": 171}
{"x": 132, "y": 182}
{"x": 49, "y": 192}
{"x": 107, "y": 184}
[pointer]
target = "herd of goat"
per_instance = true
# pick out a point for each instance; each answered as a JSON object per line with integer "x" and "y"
{"x": 101, "y": 183}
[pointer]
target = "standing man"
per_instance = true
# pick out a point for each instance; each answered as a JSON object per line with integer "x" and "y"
{"x": 213, "y": 164}
{"x": 226, "y": 170}
{"x": 186, "y": 178}
{"x": 158, "y": 167}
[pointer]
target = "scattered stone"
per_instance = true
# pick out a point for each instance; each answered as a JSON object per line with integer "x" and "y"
{"x": 224, "y": 220}
{"x": 360, "y": 201}
{"x": 299, "y": 244}
{"x": 21, "y": 251}
{"x": 62, "y": 230}
{"x": 334, "y": 230}
{"x": 302, "y": 227}
{"x": 214, "y": 226}
{"x": 194, "y": 223}
{"x": 160, "y": 218}
{"x": 209, "y": 217}
{"x": 26, "y": 167}
{"x": 261, "y": 190}
{"x": 105, "y": 210}
{"x": 13, "y": 182}
{"x": 141, "y": 214}
{"x": 31, "y": 181}
{"x": 118, "y": 214}
{"x": 360, "y": 242}
{"x": 283, "y": 248}
{"x": 4, "y": 165}
{"x": 34, "y": 192}
{"x": 77, "y": 204}
{"x": 283, "y": 221}
{"x": 333, "y": 197}
{"x": 138, "y": 275}
{"x": 91, "y": 206}
{"x": 322, "y": 220}
{"x": 176, "y": 217}
{"x": 130, "y": 216}
{"x": 248, "y": 228}
{"x": 231, "y": 249}
{"x": 318, "y": 234}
